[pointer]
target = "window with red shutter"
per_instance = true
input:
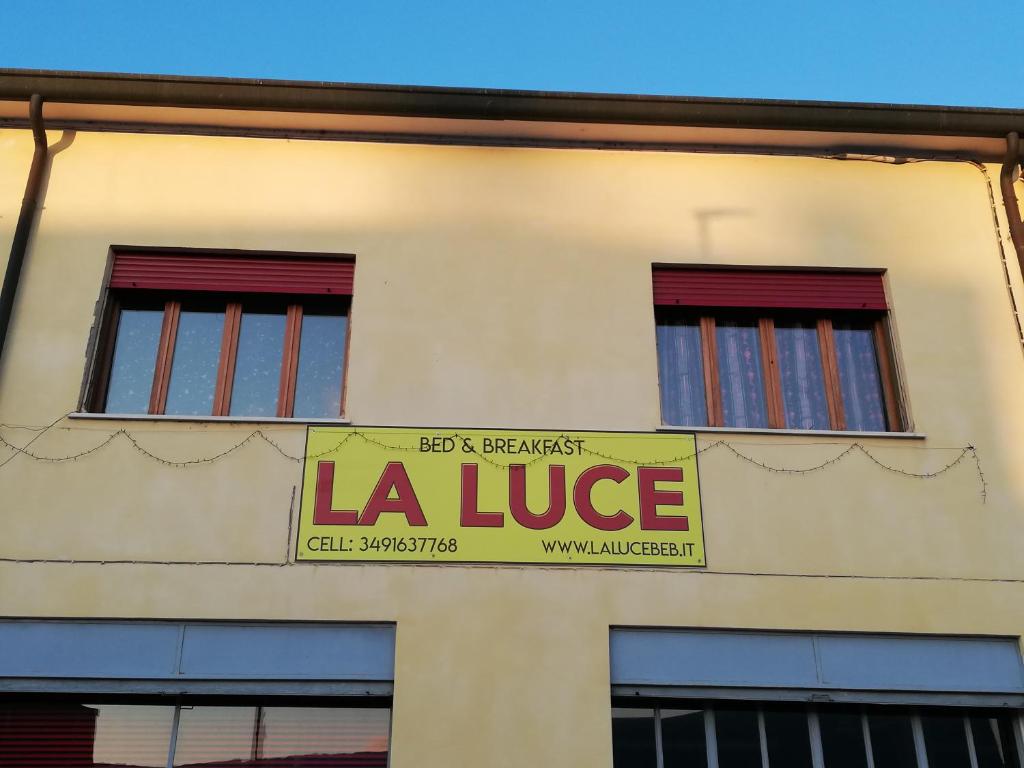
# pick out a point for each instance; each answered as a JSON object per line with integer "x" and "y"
{"x": 775, "y": 349}
{"x": 235, "y": 334}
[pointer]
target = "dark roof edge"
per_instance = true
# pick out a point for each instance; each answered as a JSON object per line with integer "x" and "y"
{"x": 490, "y": 104}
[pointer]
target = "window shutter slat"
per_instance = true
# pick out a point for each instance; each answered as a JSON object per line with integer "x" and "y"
{"x": 768, "y": 289}
{"x": 242, "y": 274}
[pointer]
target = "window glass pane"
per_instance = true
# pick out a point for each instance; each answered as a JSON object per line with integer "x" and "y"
{"x": 323, "y": 737}
{"x": 789, "y": 740}
{"x": 892, "y": 738}
{"x": 858, "y": 376}
{"x": 85, "y": 734}
{"x": 945, "y": 740}
{"x": 681, "y": 374}
{"x": 803, "y": 380}
{"x": 258, "y": 365}
{"x": 842, "y": 738}
{"x": 321, "y": 362}
{"x": 303, "y": 736}
{"x": 993, "y": 740}
{"x": 633, "y": 738}
{"x": 214, "y": 734}
{"x": 194, "y": 366}
{"x": 131, "y": 370}
{"x": 738, "y": 737}
{"x": 740, "y": 374}
{"x": 683, "y": 740}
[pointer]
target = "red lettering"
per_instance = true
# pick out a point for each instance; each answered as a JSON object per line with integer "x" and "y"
{"x": 517, "y": 498}
{"x": 584, "y": 505}
{"x": 651, "y": 498}
{"x": 470, "y": 515}
{"x": 393, "y": 478}
{"x": 322, "y": 512}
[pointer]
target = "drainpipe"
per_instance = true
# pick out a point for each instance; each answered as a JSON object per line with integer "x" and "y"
{"x": 1006, "y": 179}
{"x": 29, "y": 204}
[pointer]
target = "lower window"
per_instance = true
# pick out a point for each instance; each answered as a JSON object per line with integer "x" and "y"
{"x": 700, "y": 734}
{"x": 154, "y": 734}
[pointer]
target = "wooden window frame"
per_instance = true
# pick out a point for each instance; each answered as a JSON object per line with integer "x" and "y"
{"x": 765, "y": 321}
{"x": 228, "y": 353}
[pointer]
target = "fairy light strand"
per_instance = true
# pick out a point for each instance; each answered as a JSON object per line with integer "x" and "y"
{"x": 965, "y": 452}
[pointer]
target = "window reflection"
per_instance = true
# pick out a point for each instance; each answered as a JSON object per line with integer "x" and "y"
{"x": 321, "y": 364}
{"x": 249, "y": 361}
{"x": 842, "y": 738}
{"x": 787, "y": 737}
{"x": 633, "y": 744}
{"x": 803, "y": 379}
{"x": 215, "y": 734}
{"x": 682, "y": 374}
{"x": 892, "y": 738}
{"x": 257, "y": 378}
{"x": 993, "y": 740}
{"x": 140, "y": 736}
{"x": 750, "y": 735}
{"x": 85, "y": 735}
{"x": 194, "y": 365}
{"x": 683, "y": 737}
{"x": 739, "y": 737}
{"x": 859, "y": 379}
{"x": 355, "y": 736}
{"x": 740, "y": 374}
{"x": 306, "y": 736}
{"x": 945, "y": 739}
{"x": 131, "y": 371}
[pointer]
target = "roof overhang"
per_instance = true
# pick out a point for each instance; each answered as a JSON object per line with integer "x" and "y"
{"x": 92, "y": 101}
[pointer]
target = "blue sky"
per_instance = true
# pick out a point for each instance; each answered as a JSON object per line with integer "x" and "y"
{"x": 963, "y": 53}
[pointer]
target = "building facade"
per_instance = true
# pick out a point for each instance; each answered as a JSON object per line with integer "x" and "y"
{"x": 812, "y": 310}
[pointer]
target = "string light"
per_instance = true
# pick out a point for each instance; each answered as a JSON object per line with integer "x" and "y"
{"x": 968, "y": 451}
{"x": 898, "y": 160}
{"x": 39, "y": 433}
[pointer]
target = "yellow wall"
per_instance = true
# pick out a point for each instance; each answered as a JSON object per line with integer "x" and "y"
{"x": 506, "y": 287}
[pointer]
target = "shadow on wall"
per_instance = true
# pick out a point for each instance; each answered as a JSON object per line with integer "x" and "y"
{"x": 709, "y": 217}
{"x": 67, "y": 138}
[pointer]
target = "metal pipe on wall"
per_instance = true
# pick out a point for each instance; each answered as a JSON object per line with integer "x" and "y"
{"x": 22, "y": 231}
{"x": 1006, "y": 180}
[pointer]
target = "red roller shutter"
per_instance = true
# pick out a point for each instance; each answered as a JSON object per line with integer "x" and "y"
{"x": 768, "y": 289}
{"x": 235, "y": 274}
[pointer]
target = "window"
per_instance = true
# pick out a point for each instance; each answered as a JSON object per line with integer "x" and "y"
{"x": 195, "y": 335}
{"x": 720, "y": 734}
{"x": 157, "y": 734}
{"x": 775, "y": 350}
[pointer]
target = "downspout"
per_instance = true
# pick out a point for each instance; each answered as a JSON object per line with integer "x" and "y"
{"x": 1010, "y": 166}
{"x": 29, "y": 204}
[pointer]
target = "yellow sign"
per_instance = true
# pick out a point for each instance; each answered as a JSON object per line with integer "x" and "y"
{"x": 487, "y": 496}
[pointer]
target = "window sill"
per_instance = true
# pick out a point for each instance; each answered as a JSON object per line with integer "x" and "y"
{"x": 795, "y": 432}
{"x": 203, "y": 419}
